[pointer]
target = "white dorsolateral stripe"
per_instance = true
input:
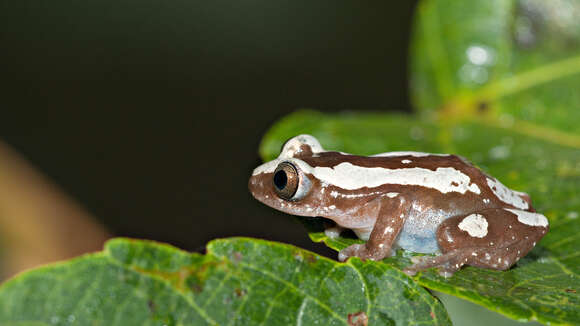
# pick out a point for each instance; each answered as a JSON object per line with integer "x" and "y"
{"x": 475, "y": 225}
{"x": 506, "y": 195}
{"x": 350, "y": 177}
{"x": 529, "y": 218}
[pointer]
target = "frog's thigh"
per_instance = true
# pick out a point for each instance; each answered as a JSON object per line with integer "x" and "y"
{"x": 491, "y": 238}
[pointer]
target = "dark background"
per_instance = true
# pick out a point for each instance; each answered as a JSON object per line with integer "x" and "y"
{"x": 149, "y": 113}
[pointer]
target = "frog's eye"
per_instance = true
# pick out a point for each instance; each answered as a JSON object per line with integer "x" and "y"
{"x": 286, "y": 180}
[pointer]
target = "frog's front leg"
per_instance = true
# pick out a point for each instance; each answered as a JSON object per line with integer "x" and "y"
{"x": 391, "y": 213}
{"x": 493, "y": 238}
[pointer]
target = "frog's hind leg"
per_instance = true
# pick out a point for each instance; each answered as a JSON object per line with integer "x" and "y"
{"x": 448, "y": 262}
{"x": 492, "y": 238}
{"x": 500, "y": 258}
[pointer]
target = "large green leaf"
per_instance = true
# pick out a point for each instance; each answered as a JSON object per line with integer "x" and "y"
{"x": 239, "y": 282}
{"x": 544, "y": 285}
{"x": 505, "y": 61}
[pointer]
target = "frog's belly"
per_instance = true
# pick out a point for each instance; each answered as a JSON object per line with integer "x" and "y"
{"x": 418, "y": 233}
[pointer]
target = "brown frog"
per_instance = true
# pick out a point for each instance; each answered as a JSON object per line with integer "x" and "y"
{"x": 426, "y": 203}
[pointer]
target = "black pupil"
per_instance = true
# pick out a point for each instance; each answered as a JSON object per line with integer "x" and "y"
{"x": 280, "y": 179}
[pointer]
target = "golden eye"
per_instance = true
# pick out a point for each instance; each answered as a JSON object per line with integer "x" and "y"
{"x": 285, "y": 180}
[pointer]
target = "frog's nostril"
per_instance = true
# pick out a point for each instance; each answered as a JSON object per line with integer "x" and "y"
{"x": 280, "y": 179}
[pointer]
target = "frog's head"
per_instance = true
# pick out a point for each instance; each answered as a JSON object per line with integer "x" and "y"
{"x": 287, "y": 183}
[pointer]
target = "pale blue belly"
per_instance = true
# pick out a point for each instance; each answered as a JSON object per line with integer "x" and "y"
{"x": 418, "y": 234}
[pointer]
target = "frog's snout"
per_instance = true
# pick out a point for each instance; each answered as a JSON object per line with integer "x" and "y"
{"x": 252, "y": 185}
{"x": 259, "y": 186}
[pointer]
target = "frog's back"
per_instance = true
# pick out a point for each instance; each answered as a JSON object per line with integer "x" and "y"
{"x": 432, "y": 207}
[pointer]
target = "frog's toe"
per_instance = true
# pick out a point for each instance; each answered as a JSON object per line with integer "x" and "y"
{"x": 447, "y": 263}
{"x": 446, "y": 270}
{"x": 358, "y": 250}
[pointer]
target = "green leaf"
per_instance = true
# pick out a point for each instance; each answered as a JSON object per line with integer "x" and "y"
{"x": 238, "y": 282}
{"x": 544, "y": 285}
{"x": 506, "y": 61}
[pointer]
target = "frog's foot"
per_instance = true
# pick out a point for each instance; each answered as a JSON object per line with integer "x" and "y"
{"x": 447, "y": 263}
{"x": 355, "y": 250}
{"x": 491, "y": 238}
{"x": 499, "y": 258}
{"x": 362, "y": 251}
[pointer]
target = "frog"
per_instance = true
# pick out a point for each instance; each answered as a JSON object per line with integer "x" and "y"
{"x": 437, "y": 204}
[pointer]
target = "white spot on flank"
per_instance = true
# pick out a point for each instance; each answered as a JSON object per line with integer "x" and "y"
{"x": 475, "y": 225}
{"x": 389, "y": 230}
{"x": 392, "y": 194}
{"x": 487, "y": 256}
{"x": 406, "y": 161}
{"x": 529, "y": 218}
{"x": 486, "y": 200}
{"x": 332, "y": 207}
{"x": 334, "y": 193}
{"x": 506, "y": 195}
{"x": 474, "y": 254}
{"x": 402, "y": 216}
